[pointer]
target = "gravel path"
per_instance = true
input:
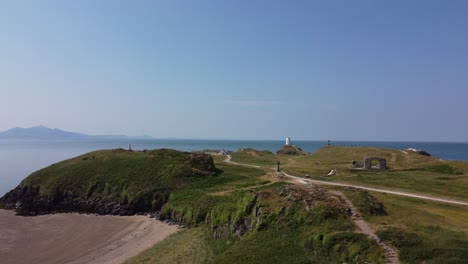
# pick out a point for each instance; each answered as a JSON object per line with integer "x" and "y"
{"x": 399, "y": 193}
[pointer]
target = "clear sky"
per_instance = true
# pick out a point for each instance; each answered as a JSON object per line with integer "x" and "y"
{"x": 316, "y": 70}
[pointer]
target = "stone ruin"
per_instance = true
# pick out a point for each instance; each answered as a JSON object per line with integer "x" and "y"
{"x": 368, "y": 164}
{"x": 382, "y": 164}
{"x": 357, "y": 164}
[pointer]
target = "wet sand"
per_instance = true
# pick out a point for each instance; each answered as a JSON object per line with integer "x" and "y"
{"x": 75, "y": 238}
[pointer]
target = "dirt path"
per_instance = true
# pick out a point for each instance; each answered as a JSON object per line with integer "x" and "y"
{"x": 391, "y": 256}
{"x": 399, "y": 193}
{"x": 228, "y": 160}
{"x": 77, "y": 238}
{"x": 221, "y": 193}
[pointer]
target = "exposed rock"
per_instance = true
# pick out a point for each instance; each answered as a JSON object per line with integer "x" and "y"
{"x": 368, "y": 203}
{"x": 202, "y": 164}
{"x": 419, "y": 151}
{"x": 28, "y": 201}
{"x": 357, "y": 164}
{"x": 291, "y": 150}
{"x": 37, "y": 198}
{"x": 311, "y": 197}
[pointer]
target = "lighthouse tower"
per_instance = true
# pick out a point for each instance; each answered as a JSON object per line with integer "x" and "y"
{"x": 288, "y": 141}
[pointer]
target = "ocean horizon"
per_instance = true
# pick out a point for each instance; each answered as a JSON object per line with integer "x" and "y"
{"x": 19, "y": 158}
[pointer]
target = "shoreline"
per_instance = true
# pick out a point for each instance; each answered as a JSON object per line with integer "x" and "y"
{"x": 77, "y": 238}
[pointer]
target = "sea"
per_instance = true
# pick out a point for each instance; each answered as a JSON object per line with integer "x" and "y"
{"x": 19, "y": 158}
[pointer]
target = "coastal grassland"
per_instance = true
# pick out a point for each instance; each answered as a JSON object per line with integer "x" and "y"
{"x": 407, "y": 171}
{"x": 291, "y": 235}
{"x": 145, "y": 178}
{"x": 193, "y": 245}
{"x": 196, "y": 245}
{"x": 191, "y": 205}
{"x": 423, "y": 231}
{"x": 256, "y": 225}
{"x": 250, "y": 156}
{"x": 315, "y": 238}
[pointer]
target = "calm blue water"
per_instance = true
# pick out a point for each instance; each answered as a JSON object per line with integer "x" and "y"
{"x": 20, "y": 158}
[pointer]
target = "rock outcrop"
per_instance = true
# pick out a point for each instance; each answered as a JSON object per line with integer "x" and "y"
{"x": 291, "y": 150}
{"x": 279, "y": 204}
{"x": 367, "y": 203}
{"x": 419, "y": 151}
{"x": 28, "y": 201}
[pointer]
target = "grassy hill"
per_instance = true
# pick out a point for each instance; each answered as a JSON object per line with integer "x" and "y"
{"x": 231, "y": 213}
{"x": 240, "y": 217}
{"x": 407, "y": 170}
{"x": 127, "y": 181}
{"x": 242, "y": 214}
{"x": 423, "y": 231}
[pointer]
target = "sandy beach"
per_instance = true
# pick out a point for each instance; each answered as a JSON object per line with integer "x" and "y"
{"x": 75, "y": 238}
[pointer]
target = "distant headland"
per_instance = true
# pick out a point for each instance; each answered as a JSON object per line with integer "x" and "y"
{"x": 45, "y": 133}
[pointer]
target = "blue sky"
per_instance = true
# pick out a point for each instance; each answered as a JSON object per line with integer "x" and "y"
{"x": 317, "y": 70}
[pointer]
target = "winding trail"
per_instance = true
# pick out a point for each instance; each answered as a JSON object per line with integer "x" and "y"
{"x": 399, "y": 193}
{"x": 228, "y": 160}
{"x": 391, "y": 256}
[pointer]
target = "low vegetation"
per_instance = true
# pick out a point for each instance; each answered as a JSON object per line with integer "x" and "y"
{"x": 236, "y": 214}
{"x": 366, "y": 203}
{"x": 110, "y": 182}
{"x": 255, "y": 157}
{"x": 407, "y": 171}
{"x": 422, "y": 231}
{"x": 276, "y": 224}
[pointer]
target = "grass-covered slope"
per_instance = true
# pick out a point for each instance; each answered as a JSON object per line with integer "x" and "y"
{"x": 407, "y": 170}
{"x": 422, "y": 231}
{"x": 121, "y": 175}
{"x": 139, "y": 181}
{"x": 237, "y": 218}
{"x": 233, "y": 214}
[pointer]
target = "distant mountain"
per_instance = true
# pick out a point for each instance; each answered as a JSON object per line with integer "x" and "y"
{"x": 41, "y": 132}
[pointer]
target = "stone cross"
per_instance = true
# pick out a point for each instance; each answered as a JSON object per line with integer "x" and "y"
{"x": 278, "y": 169}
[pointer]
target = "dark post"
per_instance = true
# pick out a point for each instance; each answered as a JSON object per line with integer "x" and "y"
{"x": 278, "y": 169}
{"x": 329, "y": 143}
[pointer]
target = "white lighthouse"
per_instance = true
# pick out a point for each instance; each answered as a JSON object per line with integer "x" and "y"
{"x": 288, "y": 141}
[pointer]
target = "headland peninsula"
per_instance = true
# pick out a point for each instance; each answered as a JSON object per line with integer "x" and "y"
{"x": 339, "y": 204}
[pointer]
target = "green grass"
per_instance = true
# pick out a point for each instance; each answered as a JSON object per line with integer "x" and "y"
{"x": 408, "y": 172}
{"x": 366, "y": 204}
{"x": 441, "y": 168}
{"x": 422, "y": 230}
{"x": 281, "y": 231}
{"x": 192, "y": 204}
{"x": 145, "y": 178}
{"x": 194, "y": 245}
{"x": 236, "y": 216}
{"x": 322, "y": 235}
{"x": 255, "y": 157}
